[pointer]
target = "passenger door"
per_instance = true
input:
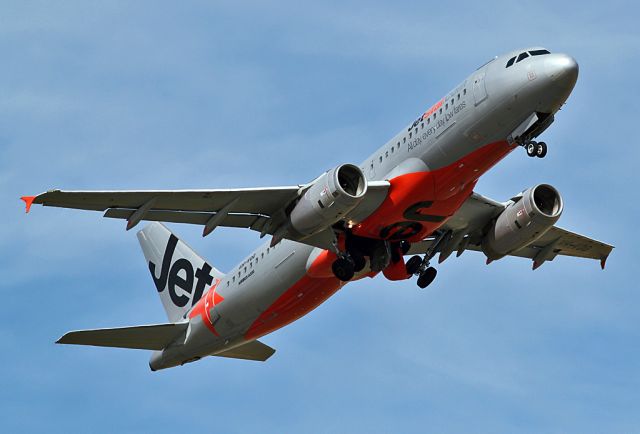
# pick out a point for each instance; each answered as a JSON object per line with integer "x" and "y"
{"x": 479, "y": 87}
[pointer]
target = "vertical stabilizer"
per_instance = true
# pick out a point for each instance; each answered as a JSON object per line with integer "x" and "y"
{"x": 180, "y": 275}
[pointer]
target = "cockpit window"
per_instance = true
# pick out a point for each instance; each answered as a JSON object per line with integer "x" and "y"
{"x": 522, "y": 56}
{"x": 510, "y": 62}
{"x": 539, "y": 52}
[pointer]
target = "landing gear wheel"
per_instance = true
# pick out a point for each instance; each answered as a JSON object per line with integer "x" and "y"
{"x": 532, "y": 148}
{"x": 426, "y": 277}
{"x": 343, "y": 269}
{"x": 358, "y": 261}
{"x": 541, "y": 149}
{"x": 413, "y": 265}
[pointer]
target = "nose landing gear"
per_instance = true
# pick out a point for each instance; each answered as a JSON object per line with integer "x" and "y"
{"x": 535, "y": 149}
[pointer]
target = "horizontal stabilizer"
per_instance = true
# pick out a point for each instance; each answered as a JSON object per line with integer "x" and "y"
{"x": 145, "y": 337}
{"x": 254, "y": 350}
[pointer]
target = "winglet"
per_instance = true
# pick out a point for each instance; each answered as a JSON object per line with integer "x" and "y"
{"x": 28, "y": 200}
{"x": 603, "y": 262}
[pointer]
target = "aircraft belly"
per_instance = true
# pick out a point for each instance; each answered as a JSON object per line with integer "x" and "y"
{"x": 420, "y": 202}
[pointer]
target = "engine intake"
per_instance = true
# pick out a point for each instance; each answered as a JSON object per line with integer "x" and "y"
{"x": 532, "y": 214}
{"x": 329, "y": 199}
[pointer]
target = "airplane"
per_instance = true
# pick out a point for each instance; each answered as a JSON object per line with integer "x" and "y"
{"x": 414, "y": 196}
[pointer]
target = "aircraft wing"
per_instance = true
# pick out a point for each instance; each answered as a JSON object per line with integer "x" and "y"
{"x": 477, "y": 211}
{"x": 260, "y": 209}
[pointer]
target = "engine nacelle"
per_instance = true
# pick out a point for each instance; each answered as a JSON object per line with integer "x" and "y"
{"x": 329, "y": 199}
{"x": 522, "y": 222}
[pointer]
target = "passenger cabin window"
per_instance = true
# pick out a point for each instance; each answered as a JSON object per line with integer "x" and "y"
{"x": 511, "y": 61}
{"x": 522, "y": 56}
{"x": 539, "y": 52}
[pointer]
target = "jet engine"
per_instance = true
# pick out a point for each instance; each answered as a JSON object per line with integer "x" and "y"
{"x": 523, "y": 221}
{"x": 329, "y": 198}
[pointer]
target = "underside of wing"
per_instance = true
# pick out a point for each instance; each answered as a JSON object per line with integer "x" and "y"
{"x": 264, "y": 210}
{"x": 566, "y": 243}
{"x": 563, "y": 242}
{"x": 468, "y": 227}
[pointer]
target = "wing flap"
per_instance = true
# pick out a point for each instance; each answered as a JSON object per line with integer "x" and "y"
{"x": 145, "y": 337}
{"x": 566, "y": 243}
{"x": 197, "y": 218}
{"x": 254, "y": 350}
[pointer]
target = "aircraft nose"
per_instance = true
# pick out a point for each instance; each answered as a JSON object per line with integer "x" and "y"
{"x": 562, "y": 69}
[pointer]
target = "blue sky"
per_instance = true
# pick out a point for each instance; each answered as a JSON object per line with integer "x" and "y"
{"x": 97, "y": 95}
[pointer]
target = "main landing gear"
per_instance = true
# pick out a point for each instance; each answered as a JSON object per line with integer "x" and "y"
{"x": 352, "y": 258}
{"x": 535, "y": 149}
{"x": 347, "y": 265}
{"x": 426, "y": 274}
{"x": 421, "y": 266}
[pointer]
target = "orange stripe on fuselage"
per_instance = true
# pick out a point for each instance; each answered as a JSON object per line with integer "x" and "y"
{"x": 304, "y": 296}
